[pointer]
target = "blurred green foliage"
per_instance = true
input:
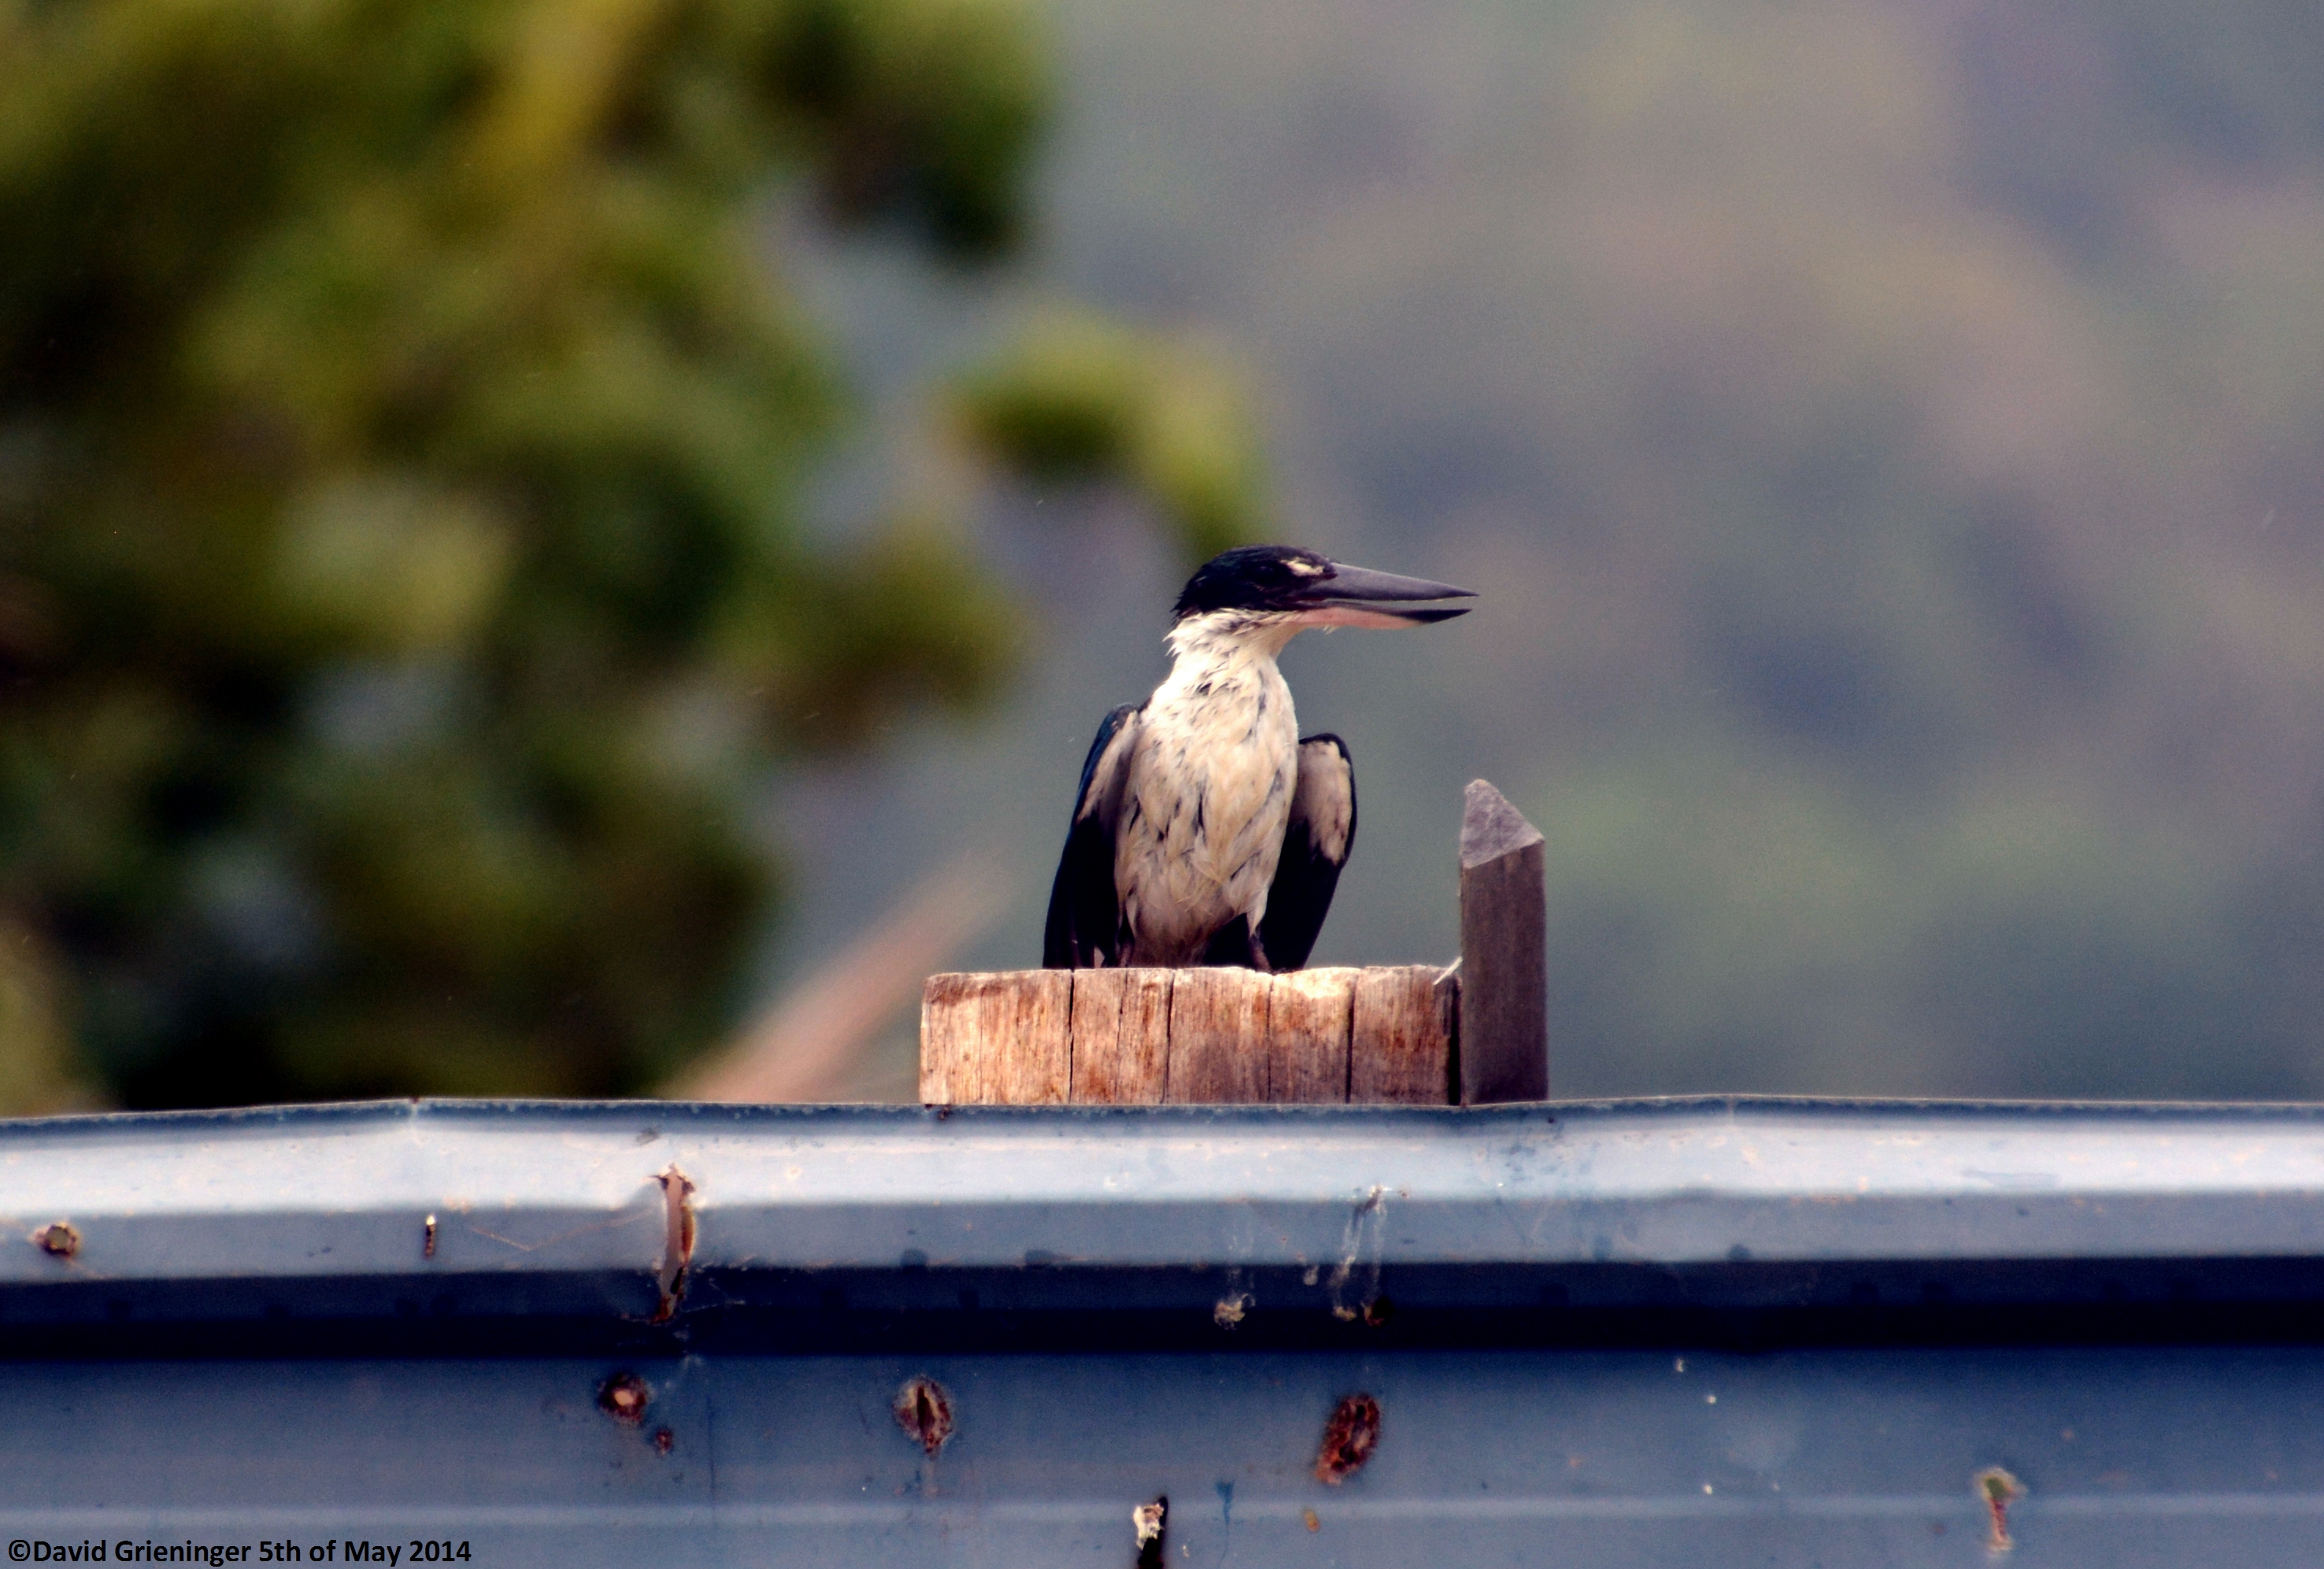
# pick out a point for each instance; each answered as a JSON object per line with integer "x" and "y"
{"x": 1081, "y": 397}
{"x": 402, "y": 580}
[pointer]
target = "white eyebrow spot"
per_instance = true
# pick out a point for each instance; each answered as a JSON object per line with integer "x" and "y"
{"x": 1305, "y": 568}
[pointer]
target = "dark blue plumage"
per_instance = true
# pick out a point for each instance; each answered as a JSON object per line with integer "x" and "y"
{"x": 1083, "y": 913}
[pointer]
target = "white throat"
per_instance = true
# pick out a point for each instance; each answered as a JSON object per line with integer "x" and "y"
{"x": 1233, "y": 637}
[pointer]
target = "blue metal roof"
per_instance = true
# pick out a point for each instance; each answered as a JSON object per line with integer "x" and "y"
{"x": 1734, "y": 1330}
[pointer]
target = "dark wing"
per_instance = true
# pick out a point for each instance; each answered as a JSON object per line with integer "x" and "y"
{"x": 1315, "y": 845}
{"x": 1085, "y": 915}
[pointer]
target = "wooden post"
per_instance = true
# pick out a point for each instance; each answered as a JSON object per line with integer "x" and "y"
{"x": 1118, "y": 1037}
{"x": 961, "y": 1016}
{"x": 1310, "y": 1020}
{"x": 1408, "y": 1034}
{"x": 1407, "y": 1017}
{"x": 1202, "y": 1036}
{"x": 1218, "y": 1038}
{"x": 1504, "y": 980}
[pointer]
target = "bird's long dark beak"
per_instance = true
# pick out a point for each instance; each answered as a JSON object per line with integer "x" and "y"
{"x": 1359, "y": 596}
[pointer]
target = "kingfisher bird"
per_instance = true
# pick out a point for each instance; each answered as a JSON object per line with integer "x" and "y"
{"x": 1208, "y": 831}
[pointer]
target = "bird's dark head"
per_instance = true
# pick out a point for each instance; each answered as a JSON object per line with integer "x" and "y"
{"x": 1288, "y": 586}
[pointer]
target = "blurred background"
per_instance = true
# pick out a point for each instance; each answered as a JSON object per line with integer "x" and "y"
{"x": 574, "y": 547}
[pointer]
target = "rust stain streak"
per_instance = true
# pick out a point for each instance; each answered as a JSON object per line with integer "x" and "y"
{"x": 677, "y": 1244}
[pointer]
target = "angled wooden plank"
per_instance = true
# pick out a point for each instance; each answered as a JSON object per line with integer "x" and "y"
{"x": 1218, "y": 1038}
{"x": 1309, "y": 1013}
{"x": 1504, "y": 978}
{"x": 1120, "y": 1036}
{"x": 996, "y": 1039}
{"x": 1400, "y": 1045}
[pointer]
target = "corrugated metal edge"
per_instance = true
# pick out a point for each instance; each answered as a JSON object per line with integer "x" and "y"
{"x": 548, "y": 1189}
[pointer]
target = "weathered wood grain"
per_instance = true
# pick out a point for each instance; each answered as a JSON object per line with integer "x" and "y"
{"x": 1121, "y": 1028}
{"x": 1504, "y": 979}
{"x": 1309, "y": 1013}
{"x": 950, "y": 1038}
{"x": 996, "y": 1039}
{"x": 1190, "y": 1037}
{"x": 1400, "y": 1046}
{"x": 1218, "y": 1038}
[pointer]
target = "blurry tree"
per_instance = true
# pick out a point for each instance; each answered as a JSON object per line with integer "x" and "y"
{"x": 1078, "y": 398}
{"x": 401, "y": 578}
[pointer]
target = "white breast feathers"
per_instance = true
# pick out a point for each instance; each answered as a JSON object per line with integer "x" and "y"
{"x": 1209, "y": 792}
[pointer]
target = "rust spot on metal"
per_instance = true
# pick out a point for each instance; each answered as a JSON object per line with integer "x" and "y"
{"x": 924, "y": 1411}
{"x": 58, "y": 1239}
{"x": 624, "y": 1397}
{"x": 678, "y": 1240}
{"x": 1999, "y": 1490}
{"x": 1149, "y": 1520}
{"x": 664, "y": 1440}
{"x": 1378, "y": 1311}
{"x": 1349, "y": 1439}
{"x": 1228, "y": 1311}
{"x": 428, "y": 1238}
{"x": 1307, "y": 1518}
